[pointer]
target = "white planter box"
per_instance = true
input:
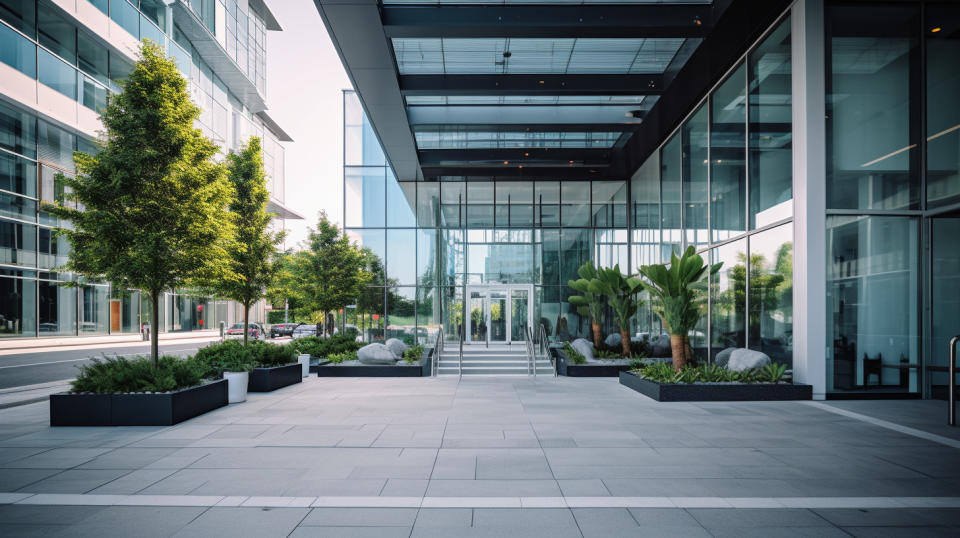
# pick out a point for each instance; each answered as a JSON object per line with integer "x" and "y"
{"x": 237, "y": 386}
{"x": 304, "y": 361}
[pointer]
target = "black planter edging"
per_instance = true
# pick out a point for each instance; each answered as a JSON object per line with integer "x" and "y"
{"x": 719, "y": 392}
{"x": 158, "y": 409}
{"x": 405, "y": 370}
{"x": 271, "y": 379}
{"x": 567, "y": 368}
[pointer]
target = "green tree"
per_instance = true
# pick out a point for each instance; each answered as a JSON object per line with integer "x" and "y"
{"x": 154, "y": 203}
{"x": 253, "y": 256}
{"x": 590, "y": 302}
{"x": 330, "y": 273}
{"x": 621, "y": 293}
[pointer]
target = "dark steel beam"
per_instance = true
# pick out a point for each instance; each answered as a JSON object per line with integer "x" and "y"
{"x": 515, "y": 172}
{"x": 531, "y": 84}
{"x": 515, "y": 156}
{"x": 553, "y": 21}
{"x": 530, "y": 128}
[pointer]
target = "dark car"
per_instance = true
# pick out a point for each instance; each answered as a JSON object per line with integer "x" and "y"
{"x": 283, "y": 329}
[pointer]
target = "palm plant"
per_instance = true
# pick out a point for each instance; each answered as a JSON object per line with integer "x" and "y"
{"x": 590, "y": 302}
{"x": 621, "y": 293}
{"x": 678, "y": 295}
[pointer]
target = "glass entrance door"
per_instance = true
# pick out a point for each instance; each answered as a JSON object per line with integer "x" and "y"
{"x": 499, "y": 313}
{"x": 945, "y": 298}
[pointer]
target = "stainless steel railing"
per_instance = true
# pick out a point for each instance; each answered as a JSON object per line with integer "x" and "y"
{"x": 952, "y": 385}
{"x": 545, "y": 349}
{"x": 531, "y": 352}
{"x": 437, "y": 350}
{"x": 460, "y": 362}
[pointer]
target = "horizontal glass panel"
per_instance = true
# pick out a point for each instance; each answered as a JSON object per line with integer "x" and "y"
{"x": 57, "y": 75}
{"x": 126, "y": 16}
{"x": 21, "y": 14}
{"x": 18, "y": 52}
{"x": 18, "y": 207}
{"x": 18, "y": 243}
{"x": 18, "y": 175}
{"x": 498, "y": 55}
{"x": 416, "y": 100}
{"x": 509, "y": 139}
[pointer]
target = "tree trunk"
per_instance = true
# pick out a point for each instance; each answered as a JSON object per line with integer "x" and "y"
{"x": 678, "y": 351}
{"x": 155, "y": 328}
{"x": 625, "y": 343}
{"x": 688, "y": 349}
{"x": 246, "y": 322}
{"x": 597, "y": 335}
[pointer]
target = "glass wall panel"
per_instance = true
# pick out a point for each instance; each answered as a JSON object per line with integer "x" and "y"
{"x": 428, "y": 205}
{"x": 401, "y": 314}
{"x": 374, "y": 242}
{"x": 547, "y": 203}
{"x": 452, "y": 260}
{"x": 18, "y": 175}
{"x": 945, "y": 293}
{"x": 943, "y": 107}
{"x": 54, "y": 73}
{"x": 549, "y": 257}
{"x": 56, "y": 146}
{"x": 873, "y": 107}
{"x": 402, "y": 256}
{"x": 429, "y": 315}
{"x": 872, "y": 291}
{"x": 18, "y": 243}
{"x": 18, "y": 131}
{"x": 771, "y": 131}
{"x": 21, "y": 14}
{"x": 401, "y": 202}
{"x": 92, "y": 58}
{"x": 728, "y": 157}
{"x": 728, "y": 297}
{"x": 574, "y": 251}
{"x": 365, "y": 191}
{"x": 771, "y": 293}
{"x": 126, "y": 16}
{"x": 17, "y": 309}
{"x": 130, "y": 312}
{"x": 645, "y": 214}
{"x": 94, "y": 309}
{"x": 57, "y": 34}
{"x": 52, "y": 249}
{"x": 57, "y": 309}
{"x": 514, "y": 204}
{"x": 695, "y": 170}
{"x": 575, "y": 197}
{"x": 671, "y": 211}
{"x": 148, "y": 30}
{"x": 361, "y": 146}
{"x": 500, "y": 262}
{"x": 427, "y": 256}
{"x": 18, "y": 52}
{"x": 480, "y": 204}
{"x": 610, "y": 249}
{"x": 609, "y": 204}
{"x": 17, "y": 207}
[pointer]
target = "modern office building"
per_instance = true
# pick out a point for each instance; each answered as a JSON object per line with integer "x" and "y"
{"x": 811, "y": 146}
{"x": 58, "y": 62}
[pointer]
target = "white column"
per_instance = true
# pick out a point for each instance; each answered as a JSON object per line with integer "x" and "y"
{"x": 810, "y": 317}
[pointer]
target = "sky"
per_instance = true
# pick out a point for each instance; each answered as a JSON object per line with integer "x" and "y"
{"x": 305, "y": 80}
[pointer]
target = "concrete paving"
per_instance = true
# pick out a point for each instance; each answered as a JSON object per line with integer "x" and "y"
{"x": 480, "y": 456}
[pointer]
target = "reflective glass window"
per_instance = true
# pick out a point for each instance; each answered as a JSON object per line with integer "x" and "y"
{"x": 428, "y": 204}
{"x": 401, "y": 201}
{"x": 771, "y": 293}
{"x": 453, "y": 200}
{"x": 18, "y": 175}
{"x": 52, "y": 250}
{"x": 546, "y": 199}
{"x": 429, "y": 315}
{"x": 120, "y": 69}
{"x": 549, "y": 257}
{"x": 943, "y": 106}
{"x": 18, "y": 207}
{"x": 872, "y": 323}
{"x": 18, "y": 131}
{"x": 480, "y": 203}
{"x": 21, "y": 14}
{"x": 95, "y": 309}
{"x": 92, "y": 58}
{"x": 126, "y": 16}
{"x": 574, "y": 251}
{"x": 93, "y": 95}
{"x": 56, "y": 74}
{"x": 575, "y": 199}
{"x": 514, "y": 204}
{"x": 18, "y": 52}
{"x": 18, "y": 243}
{"x": 610, "y": 249}
{"x": 609, "y": 203}
{"x": 373, "y": 242}
{"x": 148, "y": 30}
{"x": 18, "y": 308}
{"x": 402, "y": 256}
{"x": 402, "y": 314}
{"x": 695, "y": 166}
{"x": 872, "y": 107}
{"x": 365, "y": 190}
{"x": 57, "y": 34}
{"x": 728, "y": 294}
{"x": 57, "y": 309}
{"x": 728, "y": 170}
{"x": 428, "y": 249}
{"x": 671, "y": 211}
{"x": 55, "y": 146}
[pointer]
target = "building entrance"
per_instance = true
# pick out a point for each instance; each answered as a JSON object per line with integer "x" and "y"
{"x": 498, "y": 313}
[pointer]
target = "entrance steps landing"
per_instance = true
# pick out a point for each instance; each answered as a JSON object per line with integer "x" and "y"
{"x": 478, "y": 359}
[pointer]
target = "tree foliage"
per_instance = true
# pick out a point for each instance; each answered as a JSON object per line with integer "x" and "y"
{"x": 621, "y": 293}
{"x": 153, "y": 201}
{"x": 589, "y": 302}
{"x": 253, "y": 252}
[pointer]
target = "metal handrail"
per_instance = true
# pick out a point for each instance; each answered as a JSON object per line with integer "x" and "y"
{"x": 952, "y": 372}
{"x": 531, "y": 352}
{"x": 460, "y": 364}
{"x": 545, "y": 348}
{"x": 437, "y": 350}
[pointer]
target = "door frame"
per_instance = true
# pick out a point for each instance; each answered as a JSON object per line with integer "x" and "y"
{"x": 487, "y": 288}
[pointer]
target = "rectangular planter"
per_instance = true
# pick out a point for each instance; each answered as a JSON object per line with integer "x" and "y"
{"x": 370, "y": 371}
{"x": 720, "y": 392}
{"x": 567, "y": 368}
{"x": 158, "y": 409}
{"x": 271, "y": 379}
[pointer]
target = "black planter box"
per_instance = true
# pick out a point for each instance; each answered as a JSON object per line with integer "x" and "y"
{"x": 271, "y": 379}
{"x": 158, "y": 409}
{"x": 567, "y": 368}
{"x": 716, "y": 392}
{"x": 405, "y": 370}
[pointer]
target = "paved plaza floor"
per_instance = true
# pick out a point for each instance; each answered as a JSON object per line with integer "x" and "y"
{"x": 486, "y": 457}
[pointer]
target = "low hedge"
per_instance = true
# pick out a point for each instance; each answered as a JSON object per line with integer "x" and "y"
{"x": 233, "y": 356}
{"x": 114, "y": 375}
{"x": 316, "y": 346}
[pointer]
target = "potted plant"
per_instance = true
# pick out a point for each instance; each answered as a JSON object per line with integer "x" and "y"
{"x": 677, "y": 297}
{"x": 235, "y": 365}
{"x": 589, "y": 302}
{"x": 621, "y": 292}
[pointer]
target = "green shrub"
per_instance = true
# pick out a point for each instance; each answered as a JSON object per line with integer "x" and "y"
{"x": 662, "y": 372}
{"x": 113, "y": 375}
{"x": 606, "y": 354}
{"x": 773, "y": 373}
{"x": 413, "y": 354}
{"x": 229, "y": 356}
{"x": 316, "y": 346}
{"x": 337, "y": 358}
{"x": 573, "y": 354}
{"x": 637, "y": 364}
{"x": 267, "y": 355}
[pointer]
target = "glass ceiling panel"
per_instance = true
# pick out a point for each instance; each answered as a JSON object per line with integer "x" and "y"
{"x": 485, "y": 56}
{"x": 436, "y": 139}
{"x": 445, "y": 100}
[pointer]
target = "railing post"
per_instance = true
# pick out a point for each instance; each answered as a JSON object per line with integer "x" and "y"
{"x": 952, "y": 385}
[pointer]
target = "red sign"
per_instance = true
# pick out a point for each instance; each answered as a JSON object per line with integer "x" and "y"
{"x": 199, "y": 308}
{"x": 376, "y": 316}
{"x": 201, "y": 323}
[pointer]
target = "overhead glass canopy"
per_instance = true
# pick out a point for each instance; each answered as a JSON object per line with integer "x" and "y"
{"x": 484, "y": 56}
{"x": 457, "y": 139}
{"x": 445, "y": 100}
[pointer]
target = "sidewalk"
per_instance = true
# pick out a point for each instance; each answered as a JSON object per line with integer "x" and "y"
{"x": 28, "y": 394}
{"x": 27, "y": 344}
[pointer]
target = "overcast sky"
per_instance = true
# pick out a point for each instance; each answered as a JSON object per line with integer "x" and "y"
{"x": 304, "y": 84}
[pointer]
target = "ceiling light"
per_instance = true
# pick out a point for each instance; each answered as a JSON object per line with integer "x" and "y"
{"x": 526, "y": 154}
{"x": 697, "y": 21}
{"x": 506, "y": 162}
{"x": 935, "y": 30}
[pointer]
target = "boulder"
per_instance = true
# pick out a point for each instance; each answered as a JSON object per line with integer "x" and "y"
{"x": 744, "y": 359}
{"x": 376, "y": 354}
{"x": 723, "y": 357}
{"x": 396, "y": 346}
{"x": 613, "y": 340}
{"x": 660, "y": 347}
{"x": 584, "y": 347}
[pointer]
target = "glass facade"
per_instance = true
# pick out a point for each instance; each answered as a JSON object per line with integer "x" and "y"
{"x": 46, "y": 44}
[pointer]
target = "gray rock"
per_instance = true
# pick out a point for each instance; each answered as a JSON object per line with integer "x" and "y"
{"x": 584, "y": 347}
{"x": 660, "y": 347}
{"x": 613, "y": 340}
{"x": 396, "y": 346}
{"x": 744, "y": 359}
{"x": 723, "y": 357}
{"x": 376, "y": 354}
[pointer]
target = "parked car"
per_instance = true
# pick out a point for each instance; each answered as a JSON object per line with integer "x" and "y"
{"x": 304, "y": 330}
{"x": 255, "y": 331}
{"x": 283, "y": 329}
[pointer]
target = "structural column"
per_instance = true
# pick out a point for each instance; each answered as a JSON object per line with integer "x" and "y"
{"x": 810, "y": 348}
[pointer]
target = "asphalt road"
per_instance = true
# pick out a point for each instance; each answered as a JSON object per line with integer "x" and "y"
{"x": 32, "y": 367}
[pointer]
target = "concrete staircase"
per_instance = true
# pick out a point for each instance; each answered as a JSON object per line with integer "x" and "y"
{"x": 498, "y": 359}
